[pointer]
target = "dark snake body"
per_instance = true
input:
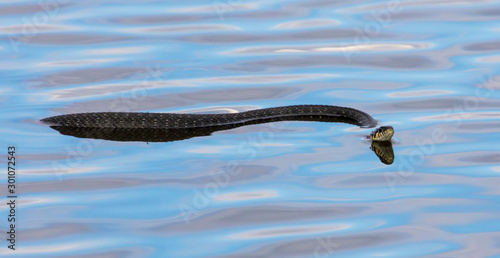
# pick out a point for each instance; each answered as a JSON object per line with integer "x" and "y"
{"x": 126, "y": 120}
{"x": 167, "y": 127}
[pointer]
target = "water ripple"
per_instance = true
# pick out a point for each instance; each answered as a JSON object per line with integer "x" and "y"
{"x": 284, "y": 189}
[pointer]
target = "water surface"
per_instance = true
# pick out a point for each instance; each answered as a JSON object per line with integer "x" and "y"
{"x": 287, "y": 189}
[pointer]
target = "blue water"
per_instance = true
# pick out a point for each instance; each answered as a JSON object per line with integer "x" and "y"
{"x": 289, "y": 189}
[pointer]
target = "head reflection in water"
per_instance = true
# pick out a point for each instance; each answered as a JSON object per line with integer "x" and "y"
{"x": 384, "y": 151}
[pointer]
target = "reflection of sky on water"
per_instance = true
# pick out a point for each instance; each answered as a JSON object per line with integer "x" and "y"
{"x": 294, "y": 189}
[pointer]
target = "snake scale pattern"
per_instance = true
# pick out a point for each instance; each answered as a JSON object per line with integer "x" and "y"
{"x": 179, "y": 121}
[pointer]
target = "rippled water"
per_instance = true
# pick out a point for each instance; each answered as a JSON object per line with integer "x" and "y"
{"x": 288, "y": 189}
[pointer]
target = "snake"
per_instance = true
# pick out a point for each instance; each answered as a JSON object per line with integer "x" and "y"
{"x": 168, "y": 127}
{"x": 207, "y": 123}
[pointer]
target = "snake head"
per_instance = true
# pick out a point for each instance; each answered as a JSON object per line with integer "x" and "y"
{"x": 383, "y": 133}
